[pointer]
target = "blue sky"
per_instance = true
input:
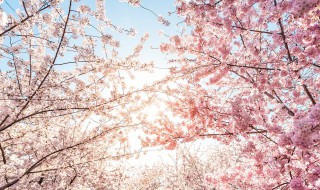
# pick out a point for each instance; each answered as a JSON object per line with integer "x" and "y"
{"x": 123, "y": 14}
{"x": 127, "y": 16}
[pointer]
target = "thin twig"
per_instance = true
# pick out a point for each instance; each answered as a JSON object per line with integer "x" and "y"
{"x": 149, "y": 10}
{"x": 280, "y": 185}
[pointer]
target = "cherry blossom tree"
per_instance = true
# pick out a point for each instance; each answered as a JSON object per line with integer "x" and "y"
{"x": 65, "y": 104}
{"x": 248, "y": 72}
{"x": 245, "y": 73}
{"x": 190, "y": 167}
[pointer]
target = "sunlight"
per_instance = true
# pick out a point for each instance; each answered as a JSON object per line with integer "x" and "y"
{"x": 175, "y": 94}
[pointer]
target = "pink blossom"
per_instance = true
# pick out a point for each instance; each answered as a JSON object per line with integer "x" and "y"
{"x": 297, "y": 184}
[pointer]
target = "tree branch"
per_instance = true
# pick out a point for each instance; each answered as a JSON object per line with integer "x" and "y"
{"x": 227, "y": 134}
{"x": 53, "y": 62}
{"x": 4, "y": 120}
{"x": 72, "y": 180}
{"x": 279, "y": 101}
{"x": 309, "y": 94}
{"x": 25, "y": 9}
{"x": 39, "y": 112}
{"x": 243, "y": 28}
{"x": 280, "y": 185}
{"x": 23, "y": 20}
{"x": 284, "y": 40}
{"x": 39, "y": 162}
{"x": 3, "y": 155}
{"x": 252, "y": 67}
{"x": 36, "y": 164}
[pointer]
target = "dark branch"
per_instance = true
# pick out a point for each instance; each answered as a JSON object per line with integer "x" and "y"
{"x": 23, "y": 20}
{"x": 243, "y": 28}
{"x": 37, "y": 113}
{"x": 309, "y": 94}
{"x": 284, "y": 40}
{"x": 279, "y": 101}
{"x": 72, "y": 180}
{"x": 25, "y": 9}
{"x": 280, "y": 185}
{"x": 3, "y": 154}
{"x": 4, "y": 120}
{"x": 53, "y": 62}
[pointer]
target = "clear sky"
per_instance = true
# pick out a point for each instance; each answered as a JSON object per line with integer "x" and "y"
{"x": 122, "y": 14}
